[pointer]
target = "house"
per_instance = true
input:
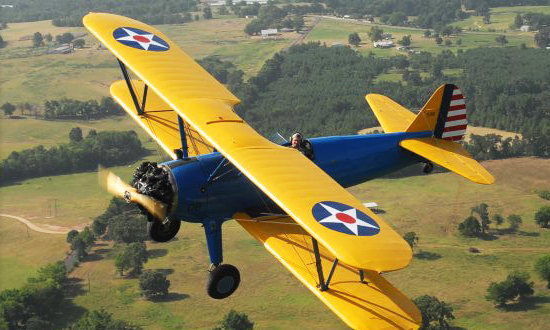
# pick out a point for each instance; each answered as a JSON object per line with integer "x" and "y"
{"x": 525, "y": 28}
{"x": 286, "y": 30}
{"x": 383, "y": 44}
{"x": 270, "y": 33}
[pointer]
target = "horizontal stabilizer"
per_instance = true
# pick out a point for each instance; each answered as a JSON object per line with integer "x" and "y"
{"x": 450, "y": 155}
{"x": 371, "y": 304}
{"x": 392, "y": 116}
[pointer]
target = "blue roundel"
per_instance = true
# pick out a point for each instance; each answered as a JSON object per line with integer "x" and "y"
{"x": 140, "y": 39}
{"x": 344, "y": 219}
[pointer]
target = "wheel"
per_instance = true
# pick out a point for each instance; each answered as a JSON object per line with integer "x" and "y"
{"x": 163, "y": 232}
{"x": 223, "y": 281}
{"x": 428, "y": 167}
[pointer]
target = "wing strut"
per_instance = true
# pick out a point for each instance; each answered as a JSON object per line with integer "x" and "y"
{"x": 139, "y": 109}
{"x": 322, "y": 284}
{"x": 183, "y": 138}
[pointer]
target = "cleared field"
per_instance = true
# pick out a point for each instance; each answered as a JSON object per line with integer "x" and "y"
{"x": 501, "y": 18}
{"x": 30, "y": 75}
{"x": 331, "y": 31}
{"x": 432, "y": 206}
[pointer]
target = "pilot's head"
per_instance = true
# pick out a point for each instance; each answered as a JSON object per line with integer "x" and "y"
{"x": 296, "y": 140}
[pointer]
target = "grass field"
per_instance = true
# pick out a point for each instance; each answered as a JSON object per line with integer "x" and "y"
{"x": 29, "y": 75}
{"x": 501, "y": 18}
{"x": 270, "y": 295}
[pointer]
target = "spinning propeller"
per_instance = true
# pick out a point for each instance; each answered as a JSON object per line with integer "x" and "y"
{"x": 114, "y": 185}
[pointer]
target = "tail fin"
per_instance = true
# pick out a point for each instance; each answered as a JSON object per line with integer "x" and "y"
{"x": 445, "y": 116}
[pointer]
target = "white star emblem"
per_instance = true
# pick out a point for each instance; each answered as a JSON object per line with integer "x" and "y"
{"x": 347, "y": 218}
{"x": 144, "y": 40}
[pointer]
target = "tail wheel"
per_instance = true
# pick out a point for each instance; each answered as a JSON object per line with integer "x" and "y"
{"x": 428, "y": 167}
{"x": 163, "y": 231}
{"x": 223, "y": 281}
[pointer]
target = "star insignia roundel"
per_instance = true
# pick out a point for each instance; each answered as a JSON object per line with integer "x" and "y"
{"x": 140, "y": 39}
{"x": 344, "y": 219}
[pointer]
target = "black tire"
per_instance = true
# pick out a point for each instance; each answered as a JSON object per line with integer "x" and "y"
{"x": 223, "y": 281}
{"x": 428, "y": 167}
{"x": 160, "y": 232}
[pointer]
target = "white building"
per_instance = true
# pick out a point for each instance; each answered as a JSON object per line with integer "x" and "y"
{"x": 269, "y": 33}
{"x": 525, "y": 28}
{"x": 383, "y": 44}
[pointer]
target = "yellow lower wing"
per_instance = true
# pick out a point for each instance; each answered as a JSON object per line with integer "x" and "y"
{"x": 392, "y": 116}
{"x": 159, "y": 120}
{"x": 450, "y": 155}
{"x": 371, "y": 304}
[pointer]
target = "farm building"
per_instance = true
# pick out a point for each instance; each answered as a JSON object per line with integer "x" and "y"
{"x": 270, "y": 33}
{"x": 383, "y": 44}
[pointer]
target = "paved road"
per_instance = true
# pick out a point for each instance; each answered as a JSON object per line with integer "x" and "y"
{"x": 50, "y": 230}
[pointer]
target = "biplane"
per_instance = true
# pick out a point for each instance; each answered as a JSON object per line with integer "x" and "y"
{"x": 296, "y": 206}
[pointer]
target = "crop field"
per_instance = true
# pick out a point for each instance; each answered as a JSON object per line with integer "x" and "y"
{"x": 331, "y": 31}
{"x": 30, "y": 75}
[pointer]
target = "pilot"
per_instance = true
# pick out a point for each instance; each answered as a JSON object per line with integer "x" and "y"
{"x": 304, "y": 146}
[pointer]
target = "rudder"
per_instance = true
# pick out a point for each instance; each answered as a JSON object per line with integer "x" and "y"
{"x": 444, "y": 114}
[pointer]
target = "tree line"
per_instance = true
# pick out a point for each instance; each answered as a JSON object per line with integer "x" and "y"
{"x": 108, "y": 148}
{"x": 70, "y": 13}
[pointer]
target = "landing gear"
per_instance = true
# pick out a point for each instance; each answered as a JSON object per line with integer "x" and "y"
{"x": 223, "y": 281}
{"x": 163, "y": 231}
{"x": 428, "y": 167}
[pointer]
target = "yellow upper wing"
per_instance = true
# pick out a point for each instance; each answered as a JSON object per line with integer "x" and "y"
{"x": 392, "y": 116}
{"x": 371, "y": 304}
{"x": 159, "y": 121}
{"x": 285, "y": 175}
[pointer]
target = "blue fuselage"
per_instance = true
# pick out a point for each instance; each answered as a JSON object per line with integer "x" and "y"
{"x": 208, "y": 190}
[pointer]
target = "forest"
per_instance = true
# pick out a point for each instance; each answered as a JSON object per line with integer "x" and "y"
{"x": 108, "y": 148}
{"x": 70, "y": 12}
{"x": 320, "y": 90}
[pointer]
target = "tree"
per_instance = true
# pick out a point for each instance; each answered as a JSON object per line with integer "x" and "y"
{"x": 498, "y": 219}
{"x": 8, "y": 108}
{"x": 54, "y": 272}
{"x": 405, "y": 41}
{"x": 75, "y": 135}
{"x": 207, "y": 12}
{"x": 87, "y": 237}
{"x": 223, "y": 10}
{"x": 253, "y": 28}
{"x": 79, "y": 247}
{"x": 37, "y": 40}
{"x": 235, "y": 321}
{"x": 438, "y": 40}
{"x": 515, "y": 221}
{"x": 122, "y": 262}
{"x": 79, "y": 43}
{"x": 436, "y": 314}
{"x": 470, "y": 227}
{"x": 298, "y": 22}
{"x": 501, "y": 39}
{"x": 48, "y": 37}
{"x": 437, "y": 70}
{"x": 448, "y": 42}
{"x": 483, "y": 211}
{"x": 36, "y": 323}
{"x": 354, "y": 39}
{"x": 411, "y": 238}
{"x": 427, "y": 33}
{"x": 2, "y": 42}
{"x": 516, "y": 286}
{"x": 375, "y": 33}
{"x": 101, "y": 319}
{"x": 542, "y": 38}
{"x": 459, "y": 42}
{"x": 64, "y": 38}
{"x": 542, "y": 217}
{"x": 518, "y": 21}
{"x": 153, "y": 284}
{"x": 127, "y": 228}
{"x": 542, "y": 268}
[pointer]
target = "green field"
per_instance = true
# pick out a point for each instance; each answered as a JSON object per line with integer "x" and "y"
{"x": 331, "y": 31}
{"x": 501, "y": 18}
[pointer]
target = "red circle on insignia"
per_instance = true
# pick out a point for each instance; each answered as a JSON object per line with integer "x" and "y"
{"x": 345, "y": 218}
{"x": 141, "y": 38}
